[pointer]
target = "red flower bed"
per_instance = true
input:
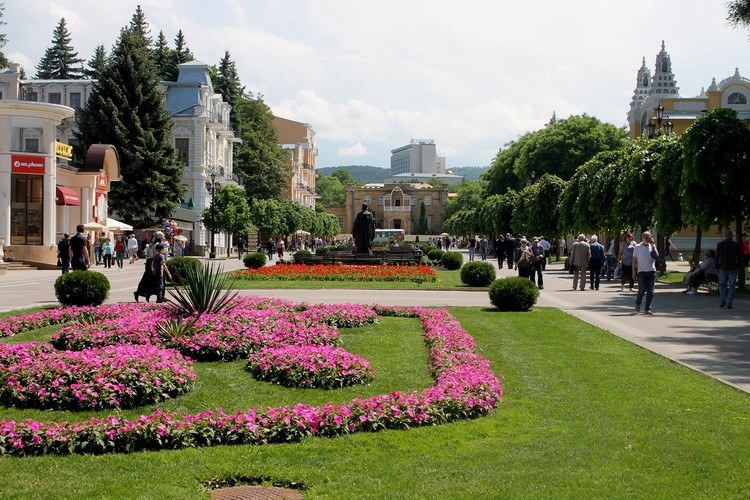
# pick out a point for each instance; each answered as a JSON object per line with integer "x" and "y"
{"x": 338, "y": 272}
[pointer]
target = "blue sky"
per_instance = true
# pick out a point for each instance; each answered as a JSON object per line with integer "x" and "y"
{"x": 370, "y": 76}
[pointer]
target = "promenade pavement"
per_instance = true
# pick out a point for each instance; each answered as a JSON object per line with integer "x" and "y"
{"x": 688, "y": 329}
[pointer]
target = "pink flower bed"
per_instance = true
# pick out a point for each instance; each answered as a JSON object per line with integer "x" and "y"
{"x": 38, "y": 376}
{"x": 465, "y": 387}
{"x": 322, "y": 367}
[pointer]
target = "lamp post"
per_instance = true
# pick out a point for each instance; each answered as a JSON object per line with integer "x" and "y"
{"x": 653, "y": 130}
{"x": 212, "y": 251}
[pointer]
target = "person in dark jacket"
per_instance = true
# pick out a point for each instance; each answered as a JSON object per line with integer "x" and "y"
{"x": 63, "y": 252}
{"x": 728, "y": 262}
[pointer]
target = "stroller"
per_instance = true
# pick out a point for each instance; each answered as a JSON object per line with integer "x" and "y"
{"x": 146, "y": 287}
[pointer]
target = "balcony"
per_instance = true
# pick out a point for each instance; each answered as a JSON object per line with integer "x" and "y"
{"x": 403, "y": 208}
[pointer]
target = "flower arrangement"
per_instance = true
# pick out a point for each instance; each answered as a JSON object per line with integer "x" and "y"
{"x": 292, "y": 272}
{"x": 38, "y": 376}
{"x": 322, "y": 367}
{"x": 465, "y": 387}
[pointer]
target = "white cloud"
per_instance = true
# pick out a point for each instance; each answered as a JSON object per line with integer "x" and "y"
{"x": 358, "y": 149}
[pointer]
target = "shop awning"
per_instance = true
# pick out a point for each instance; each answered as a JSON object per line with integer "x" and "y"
{"x": 67, "y": 196}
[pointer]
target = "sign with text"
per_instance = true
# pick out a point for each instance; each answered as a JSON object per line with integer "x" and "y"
{"x": 26, "y": 164}
{"x": 63, "y": 151}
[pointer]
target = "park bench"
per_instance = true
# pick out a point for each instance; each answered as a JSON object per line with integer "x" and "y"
{"x": 710, "y": 283}
{"x": 403, "y": 255}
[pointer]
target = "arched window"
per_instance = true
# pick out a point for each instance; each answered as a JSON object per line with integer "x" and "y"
{"x": 737, "y": 98}
{"x": 665, "y": 65}
{"x": 645, "y": 81}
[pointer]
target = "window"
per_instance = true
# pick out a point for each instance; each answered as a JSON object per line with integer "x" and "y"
{"x": 381, "y": 200}
{"x": 54, "y": 98}
{"x": 428, "y": 200}
{"x": 75, "y": 100}
{"x": 26, "y": 209}
{"x": 413, "y": 201}
{"x": 367, "y": 200}
{"x": 30, "y": 95}
{"x": 31, "y": 145}
{"x": 341, "y": 222}
{"x": 183, "y": 150}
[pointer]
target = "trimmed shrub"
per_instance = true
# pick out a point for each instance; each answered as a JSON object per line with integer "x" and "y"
{"x": 513, "y": 294}
{"x": 452, "y": 260}
{"x": 435, "y": 253}
{"x": 254, "y": 260}
{"x": 478, "y": 273}
{"x": 177, "y": 268}
{"x": 82, "y": 288}
{"x": 301, "y": 253}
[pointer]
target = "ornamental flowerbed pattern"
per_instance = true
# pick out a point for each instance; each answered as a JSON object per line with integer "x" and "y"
{"x": 321, "y": 367}
{"x": 338, "y": 272}
{"x": 35, "y": 375}
{"x": 465, "y": 387}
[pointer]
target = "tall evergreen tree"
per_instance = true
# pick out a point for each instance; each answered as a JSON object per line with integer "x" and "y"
{"x": 139, "y": 24}
{"x": 163, "y": 58}
{"x": 258, "y": 160}
{"x": 127, "y": 110}
{"x": 60, "y": 62}
{"x": 96, "y": 63}
{"x": 226, "y": 81}
{"x": 3, "y": 39}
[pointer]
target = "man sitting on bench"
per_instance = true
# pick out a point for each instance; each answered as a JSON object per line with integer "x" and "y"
{"x": 701, "y": 274}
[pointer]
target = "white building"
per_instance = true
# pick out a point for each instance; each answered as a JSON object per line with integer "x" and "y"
{"x": 417, "y": 157}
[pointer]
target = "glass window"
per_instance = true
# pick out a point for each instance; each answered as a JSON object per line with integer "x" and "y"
{"x": 428, "y": 200}
{"x": 54, "y": 98}
{"x": 75, "y": 100}
{"x": 183, "y": 150}
{"x": 737, "y": 98}
{"x": 31, "y": 145}
{"x": 26, "y": 209}
{"x": 413, "y": 201}
{"x": 381, "y": 200}
{"x": 30, "y": 95}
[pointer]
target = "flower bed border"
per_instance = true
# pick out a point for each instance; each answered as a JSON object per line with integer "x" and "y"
{"x": 465, "y": 387}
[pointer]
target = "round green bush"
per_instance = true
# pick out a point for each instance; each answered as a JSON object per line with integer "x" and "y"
{"x": 82, "y": 288}
{"x": 435, "y": 253}
{"x": 302, "y": 253}
{"x": 254, "y": 260}
{"x": 452, "y": 260}
{"x": 177, "y": 268}
{"x": 478, "y": 273}
{"x": 513, "y": 294}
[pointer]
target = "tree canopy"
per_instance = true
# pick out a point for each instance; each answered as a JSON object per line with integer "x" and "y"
{"x": 3, "y": 39}
{"x": 60, "y": 61}
{"x": 127, "y": 110}
{"x": 96, "y": 64}
{"x": 228, "y": 212}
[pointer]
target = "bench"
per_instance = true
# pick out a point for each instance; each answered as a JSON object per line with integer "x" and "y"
{"x": 710, "y": 283}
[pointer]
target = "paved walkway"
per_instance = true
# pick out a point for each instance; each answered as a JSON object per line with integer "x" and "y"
{"x": 689, "y": 329}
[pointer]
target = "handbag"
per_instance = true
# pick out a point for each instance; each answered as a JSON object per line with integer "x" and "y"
{"x": 59, "y": 262}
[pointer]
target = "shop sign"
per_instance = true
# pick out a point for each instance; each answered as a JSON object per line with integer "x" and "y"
{"x": 26, "y": 164}
{"x": 63, "y": 151}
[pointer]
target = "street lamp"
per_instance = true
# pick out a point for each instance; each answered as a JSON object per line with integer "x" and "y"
{"x": 661, "y": 127}
{"x": 213, "y": 172}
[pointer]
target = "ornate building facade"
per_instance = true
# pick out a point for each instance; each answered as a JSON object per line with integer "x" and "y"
{"x": 298, "y": 139}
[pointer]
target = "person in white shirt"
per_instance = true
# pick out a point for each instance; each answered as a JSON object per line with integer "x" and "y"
{"x": 132, "y": 248}
{"x": 644, "y": 265}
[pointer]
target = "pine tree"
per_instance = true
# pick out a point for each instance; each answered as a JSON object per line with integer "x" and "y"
{"x": 163, "y": 58}
{"x": 60, "y": 62}
{"x": 139, "y": 24}
{"x": 180, "y": 54}
{"x": 226, "y": 81}
{"x": 3, "y": 39}
{"x": 127, "y": 110}
{"x": 96, "y": 63}
{"x": 258, "y": 160}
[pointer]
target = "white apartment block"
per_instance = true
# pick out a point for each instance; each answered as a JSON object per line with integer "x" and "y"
{"x": 417, "y": 157}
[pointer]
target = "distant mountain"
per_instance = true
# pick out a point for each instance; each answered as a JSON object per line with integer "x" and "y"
{"x": 368, "y": 173}
{"x": 362, "y": 173}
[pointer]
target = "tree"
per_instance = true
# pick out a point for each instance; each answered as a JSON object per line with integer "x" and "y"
{"x": 259, "y": 160}
{"x": 558, "y": 149}
{"x": 60, "y": 62}
{"x": 266, "y": 215}
{"x": 469, "y": 197}
{"x": 140, "y": 26}
{"x": 96, "y": 64}
{"x": 715, "y": 176}
{"x": 423, "y": 218}
{"x": 3, "y": 39}
{"x": 739, "y": 13}
{"x": 330, "y": 190}
{"x": 229, "y": 212}
{"x": 226, "y": 81}
{"x": 180, "y": 54}
{"x": 162, "y": 55}
{"x": 127, "y": 110}
{"x": 344, "y": 176}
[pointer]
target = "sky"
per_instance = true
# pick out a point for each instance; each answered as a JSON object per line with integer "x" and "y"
{"x": 371, "y": 76}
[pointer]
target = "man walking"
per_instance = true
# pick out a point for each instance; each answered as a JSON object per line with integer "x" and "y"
{"x": 595, "y": 264}
{"x": 728, "y": 262}
{"x": 644, "y": 264}
{"x": 78, "y": 249}
{"x": 537, "y": 269}
{"x": 63, "y": 253}
{"x": 132, "y": 248}
{"x": 580, "y": 254}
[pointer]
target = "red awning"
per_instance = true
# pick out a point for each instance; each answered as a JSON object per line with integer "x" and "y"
{"x": 67, "y": 196}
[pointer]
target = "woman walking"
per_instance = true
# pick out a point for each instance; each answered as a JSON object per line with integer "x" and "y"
{"x": 625, "y": 259}
{"x": 119, "y": 252}
{"x": 106, "y": 251}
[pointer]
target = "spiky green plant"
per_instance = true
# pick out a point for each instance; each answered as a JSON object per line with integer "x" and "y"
{"x": 204, "y": 290}
{"x": 173, "y": 329}
{"x": 86, "y": 318}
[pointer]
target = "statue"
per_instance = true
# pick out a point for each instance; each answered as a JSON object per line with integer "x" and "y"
{"x": 363, "y": 230}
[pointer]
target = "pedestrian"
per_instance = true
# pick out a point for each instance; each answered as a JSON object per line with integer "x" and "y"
{"x": 269, "y": 248}
{"x": 240, "y": 247}
{"x": 745, "y": 251}
{"x": 106, "y": 251}
{"x": 119, "y": 252}
{"x": 483, "y": 247}
{"x": 644, "y": 265}
{"x": 547, "y": 247}
{"x": 80, "y": 258}
{"x": 63, "y": 253}
{"x": 609, "y": 258}
{"x": 523, "y": 259}
{"x": 500, "y": 251}
{"x": 510, "y": 249}
{"x": 280, "y": 248}
{"x": 97, "y": 251}
{"x": 728, "y": 262}
{"x": 537, "y": 267}
{"x": 625, "y": 259}
{"x": 133, "y": 248}
{"x": 595, "y": 263}
{"x": 670, "y": 246}
{"x": 472, "y": 247}
{"x": 158, "y": 270}
{"x": 580, "y": 254}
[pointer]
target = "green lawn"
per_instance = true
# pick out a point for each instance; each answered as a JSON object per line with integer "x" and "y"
{"x": 585, "y": 415}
